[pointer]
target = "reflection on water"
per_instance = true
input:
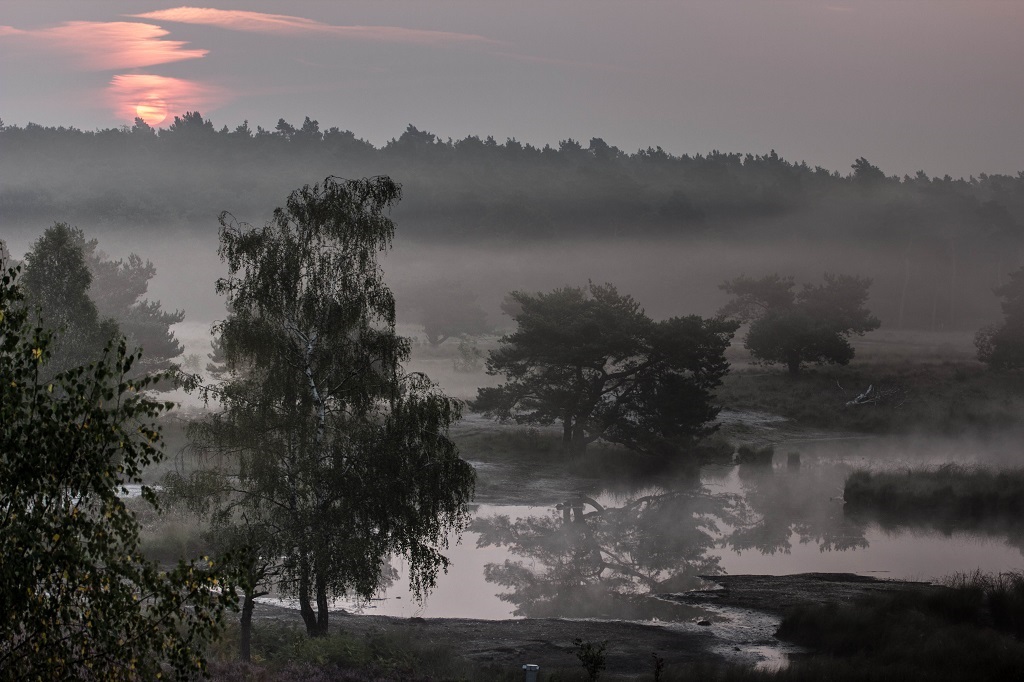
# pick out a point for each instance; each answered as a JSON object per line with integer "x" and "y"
{"x": 610, "y": 555}
{"x": 588, "y": 560}
{"x": 804, "y": 504}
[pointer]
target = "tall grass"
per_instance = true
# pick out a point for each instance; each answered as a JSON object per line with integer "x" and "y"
{"x": 952, "y": 490}
{"x": 967, "y": 629}
{"x": 1000, "y": 594}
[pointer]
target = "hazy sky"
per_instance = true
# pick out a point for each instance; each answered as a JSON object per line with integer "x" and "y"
{"x": 910, "y": 84}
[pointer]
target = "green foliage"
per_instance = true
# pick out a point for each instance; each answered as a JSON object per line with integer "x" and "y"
{"x": 118, "y": 289}
{"x": 87, "y": 298}
{"x": 78, "y": 600}
{"x": 594, "y": 361}
{"x": 326, "y": 456}
{"x": 811, "y": 325}
{"x": 56, "y": 284}
{"x": 592, "y": 657}
{"x": 1001, "y": 347}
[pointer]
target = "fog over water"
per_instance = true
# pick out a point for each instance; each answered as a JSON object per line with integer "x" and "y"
{"x": 793, "y": 523}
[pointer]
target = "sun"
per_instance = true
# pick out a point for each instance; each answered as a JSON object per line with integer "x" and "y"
{"x": 152, "y": 110}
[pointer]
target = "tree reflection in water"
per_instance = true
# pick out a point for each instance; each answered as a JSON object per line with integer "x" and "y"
{"x": 587, "y": 560}
{"x": 803, "y": 503}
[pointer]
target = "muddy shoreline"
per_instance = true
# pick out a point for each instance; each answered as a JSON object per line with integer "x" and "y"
{"x": 776, "y": 594}
{"x": 746, "y": 612}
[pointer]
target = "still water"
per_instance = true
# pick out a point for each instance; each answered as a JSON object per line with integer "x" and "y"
{"x": 612, "y": 557}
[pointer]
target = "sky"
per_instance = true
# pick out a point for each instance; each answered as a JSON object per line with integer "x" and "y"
{"x": 911, "y": 85}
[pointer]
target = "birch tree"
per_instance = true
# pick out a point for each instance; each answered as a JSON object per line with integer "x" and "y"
{"x": 345, "y": 458}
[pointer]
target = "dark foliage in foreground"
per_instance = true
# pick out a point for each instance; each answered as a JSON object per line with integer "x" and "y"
{"x": 326, "y": 454}
{"x": 283, "y": 653}
{"x": 78, "y": 599}
{"x": 970, "y": 630}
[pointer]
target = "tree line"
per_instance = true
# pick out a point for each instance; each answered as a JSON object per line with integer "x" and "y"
{"x": 939, "y": 243}
{"x": 481, "y": 189}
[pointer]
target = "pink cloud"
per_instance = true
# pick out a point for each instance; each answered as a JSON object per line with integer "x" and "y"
{"x": 126, "y": 92}
{"x": 260, "y": 22}
{"x": 105, "y": 46}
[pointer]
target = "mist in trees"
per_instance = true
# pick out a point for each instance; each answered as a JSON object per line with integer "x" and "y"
{"x": 118, "y": 289}
{"x": 322, "y": 456}
{"x": 325, "y": 454}
{"x": 592, "y": 360}
{"x": 446, "y": 309}
{"x": 940, "y": 243}
{"x": 88, "y": 299}
{"x": 792, "y": 328}
{"x": 56, "y": 282}
{"x": 1001, "y": 346}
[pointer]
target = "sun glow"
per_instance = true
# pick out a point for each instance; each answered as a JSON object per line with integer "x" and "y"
{"x": 152, "y": 110}
{"x": 155, "y": 98}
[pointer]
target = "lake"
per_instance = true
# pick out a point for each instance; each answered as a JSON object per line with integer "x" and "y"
{"x": 611, "y": 560}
